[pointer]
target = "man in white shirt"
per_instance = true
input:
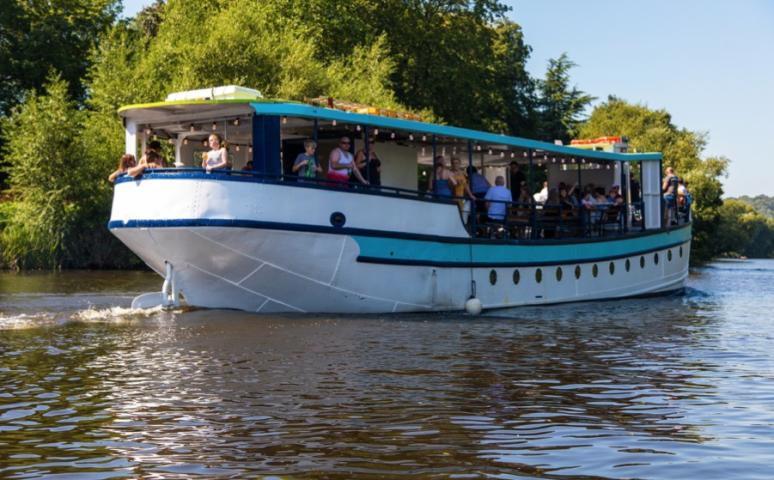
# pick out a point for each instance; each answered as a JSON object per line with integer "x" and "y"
{"x": 495, "y": 197}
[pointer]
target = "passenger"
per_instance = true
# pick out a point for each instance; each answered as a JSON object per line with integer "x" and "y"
{"x": 551, "y": 213}
{"x": 155, "y": 146}
{"x": 461, "y": 187}
{"x": 442, "y": 180}
{"x": 525, "y": 199}
{"x": 517, "y": 176}
{"x": 565, "y": 200}
{"x": 614, "y": 197}
{"x": 589, "y": 203}
{"x": 248, "y": 165}
{"x": 305, "y": 165}
{"x": 669, "y": 189}
{"x": 151, "y": 159}
{"x": 374, "y": 175}
{"x": 217, "y": 157}
{"x": 542, "y": 195}
{"x": 496, "y": 197}
{"x": 479, "y": 185}
{"x": 684, "y": 199}
{"x": 126, "y": 162}
{"x": 341, "y": 164}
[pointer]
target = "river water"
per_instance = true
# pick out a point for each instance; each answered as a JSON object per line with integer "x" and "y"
{"x": 669, "y": 387}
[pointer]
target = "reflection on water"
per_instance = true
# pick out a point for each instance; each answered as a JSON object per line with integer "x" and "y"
{"x": 671, "y": 387}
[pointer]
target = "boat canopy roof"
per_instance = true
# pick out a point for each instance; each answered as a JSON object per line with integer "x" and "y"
{"x": 179, "y": 113}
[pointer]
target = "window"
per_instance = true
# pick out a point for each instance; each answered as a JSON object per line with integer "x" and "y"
{"x": 595, "y": 270}
{"x": 681, "y": 252}
{"x": 642, "y": 262}
{"x": 538, "y": 275}
{"x": 516, "y": 277}
{"x": 655, "y": 258}
{"x": 492, "y": 277}
{"x": 669, "y": 255}
{"x": 612, "y": 268}
{"x": 558, "y": 274}
{"x": 628, "y": 265}
{"x": 577, "y": 271}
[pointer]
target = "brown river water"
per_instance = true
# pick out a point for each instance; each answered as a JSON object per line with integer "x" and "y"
{"x": 666, "y": 387}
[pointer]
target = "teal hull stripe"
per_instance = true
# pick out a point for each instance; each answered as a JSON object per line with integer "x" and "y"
{"x": 309, "y": 111}
{"x": 395, "y": 250}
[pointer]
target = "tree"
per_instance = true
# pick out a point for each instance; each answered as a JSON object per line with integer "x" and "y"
{"x": 653, "y": 131}
{"x": 40, "y": 35}
{"x": 43, "y": 151}
{"x": 560, "y": 107}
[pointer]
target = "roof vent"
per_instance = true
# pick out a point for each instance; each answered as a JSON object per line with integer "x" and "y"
{"x": 229, "y": 92}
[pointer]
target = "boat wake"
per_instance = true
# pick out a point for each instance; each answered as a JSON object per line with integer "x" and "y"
{"x": 24, "y": 321}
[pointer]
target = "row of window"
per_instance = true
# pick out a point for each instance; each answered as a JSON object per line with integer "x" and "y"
{"x": 594, "y": 269}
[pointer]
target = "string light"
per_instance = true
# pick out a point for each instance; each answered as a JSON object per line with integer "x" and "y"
{"x": 562, "y": 161}
{"x": 192, "y": 128}
{"x": 424, "y": 138}
{"x": 358, "y": 128}
{"x": 392, "y": 135}
{"x": 411, "y": 137}
{"x": 250, "y": 149}
{"x": 553, "y": 159}
{"x": 489, "y": 151}
{"x": 185, "y": 141}
{"x": 572, "y": 161}
{"x": 376, "y": 131}
{"x": 285, "y": 120}
{"x": 423, "y": 150}
{"x": 478, "y": 147}
{"x": 204, "y": 143}
{"x": 333, "y": 122}
{"x": 236, "y": 122}
{"x": 236, "y": 148}
{"x": 502, "y": 154}
{"x": 583, "y": 160}
{"x": 147, "y": 131}
{"x": 513, "y": 154}
{"x": 524, "y": 155}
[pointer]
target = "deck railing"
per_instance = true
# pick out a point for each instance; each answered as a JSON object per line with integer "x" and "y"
{"x": 524, "y": 221}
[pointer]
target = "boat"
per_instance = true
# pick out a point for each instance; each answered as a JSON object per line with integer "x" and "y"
{"x": 255, "y": 237}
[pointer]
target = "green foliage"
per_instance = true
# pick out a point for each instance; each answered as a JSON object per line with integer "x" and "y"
{"x": 743, "y": 231}
{"x": 761, "y": 203}
{"x": 40, "y": 35}
{"x": 560, "y": 106}
{"x": 653, "y": 131}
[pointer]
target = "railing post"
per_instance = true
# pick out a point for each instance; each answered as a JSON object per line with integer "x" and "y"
{"x": 435, "y": 168}
{"x": 367, "y": 152}
{"x": 533, "y": 216}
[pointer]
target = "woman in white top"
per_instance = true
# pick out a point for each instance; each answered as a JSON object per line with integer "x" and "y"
{"x": 341, "y": 163}
{"x": 217, "y": 157}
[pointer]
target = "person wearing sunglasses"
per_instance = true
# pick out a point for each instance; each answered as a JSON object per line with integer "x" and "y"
{"x": 341, "y": 164}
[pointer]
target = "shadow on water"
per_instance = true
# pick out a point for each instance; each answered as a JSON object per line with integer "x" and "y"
{"x": 620, "y": 389}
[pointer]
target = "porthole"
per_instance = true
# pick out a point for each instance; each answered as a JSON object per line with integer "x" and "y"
{"x": 681, "y": 252}
{"x": 492, "y": 277}
{"x": 338, "y": 219}
{"x": 558, "y": 274}
{"x": 612, "y": 268}
{"x": 577, "y": 271}
{"x": 655, "y": 258}
{"x": 516, "y": 277}
{"x": 628, "y": 265}
{"x": 669, "y": 255}
{"x": 642, "y": 262}
{"x": 538, "y": 275}
{"x": 595, "y": 270}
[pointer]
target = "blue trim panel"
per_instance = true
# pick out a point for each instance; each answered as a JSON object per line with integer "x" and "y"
{"x": 309, "y": 111}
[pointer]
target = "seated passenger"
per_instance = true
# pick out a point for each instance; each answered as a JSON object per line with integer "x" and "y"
{"x": 248, "y": 166}
{"x": 126, "y": 162}
{"x": 614, "y": 197}
{"x": 496, "y": 197}
{"x": 217, "y": 157}
{"x": 525, "y": 199}
{"x": 565, "y": 200}
{"x": 341, "y": 164}
{"x": 442, "y": 180}
{"x": 306, "y": 165}
{"x": 542, "y": 195}
{"x": 371, "y": 168}
{"x": 151, "y": 159}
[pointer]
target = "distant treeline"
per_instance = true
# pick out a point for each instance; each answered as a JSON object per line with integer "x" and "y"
{"x": 746, "y": 227}
{"x": 461, "y": 63}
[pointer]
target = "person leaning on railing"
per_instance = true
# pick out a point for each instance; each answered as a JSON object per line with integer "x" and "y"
{"x": 217, "y": 157}
{"x": 341, "y": 163}
{"x": 151, "y": 159}
{"x": 126, "y": 162}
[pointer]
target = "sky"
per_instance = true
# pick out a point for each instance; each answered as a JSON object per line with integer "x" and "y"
{"x": 709, "y": 63}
